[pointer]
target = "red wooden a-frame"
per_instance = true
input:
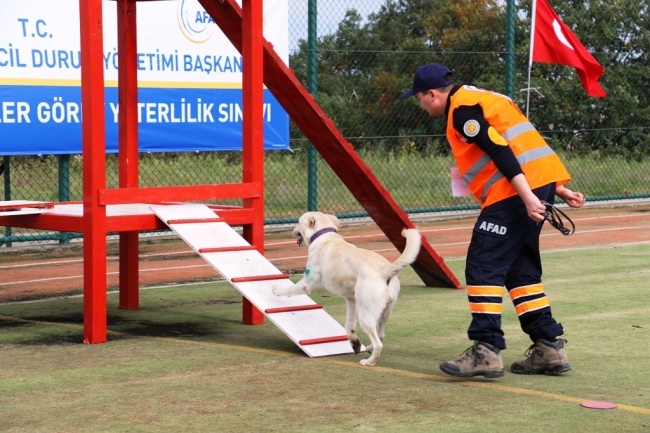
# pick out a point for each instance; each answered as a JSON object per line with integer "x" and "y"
{"x": 243, "y": 26}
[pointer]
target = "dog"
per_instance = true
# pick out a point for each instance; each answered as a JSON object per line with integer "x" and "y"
{"x": 366, "y": 280}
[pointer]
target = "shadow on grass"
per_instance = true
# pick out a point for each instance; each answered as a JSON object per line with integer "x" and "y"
{"x": 219, "y": 330}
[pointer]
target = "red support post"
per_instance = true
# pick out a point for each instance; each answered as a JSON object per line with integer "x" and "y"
{"x": 94, "y": 169}
{"x": 250, "y": 314}
{"x": 128, "y": 144}
{"x": 253, "y": 130}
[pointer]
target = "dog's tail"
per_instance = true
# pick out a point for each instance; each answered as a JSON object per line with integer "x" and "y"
{"x": 411, "y": 251}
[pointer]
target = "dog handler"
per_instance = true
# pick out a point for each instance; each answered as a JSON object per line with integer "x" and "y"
{"x": 509, "y": 169}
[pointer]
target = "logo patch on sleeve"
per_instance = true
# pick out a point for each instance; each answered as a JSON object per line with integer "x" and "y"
{"x": 496, "y": 137}
{"x": 471, "y": 128}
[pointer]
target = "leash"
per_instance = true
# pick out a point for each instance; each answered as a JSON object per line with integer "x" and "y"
{"x": 554, "y": 217}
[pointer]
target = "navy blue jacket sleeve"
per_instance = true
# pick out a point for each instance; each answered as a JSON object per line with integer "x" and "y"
{"x": 470, "y": 123}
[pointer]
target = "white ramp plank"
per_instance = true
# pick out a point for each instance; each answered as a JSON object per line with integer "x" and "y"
{"x": 312, "y": 324}
{"x": 259, "y": 293}
{"x": 301, "y": 326}
{"x": 24, "y": 207}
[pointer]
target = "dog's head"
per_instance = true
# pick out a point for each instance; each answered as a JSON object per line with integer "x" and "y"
{"x": 310, "y": 223}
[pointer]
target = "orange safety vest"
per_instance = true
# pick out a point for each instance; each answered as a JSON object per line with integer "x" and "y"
{"x": 539, "y": 163}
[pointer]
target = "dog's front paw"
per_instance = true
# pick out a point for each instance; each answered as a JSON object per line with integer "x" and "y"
{"x": 366, "y": 362}
{"x": 279, "y": 290}
{"x": 356, "y": 346}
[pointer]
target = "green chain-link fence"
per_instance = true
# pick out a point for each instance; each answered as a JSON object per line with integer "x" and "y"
{"x": 362, "y": 56}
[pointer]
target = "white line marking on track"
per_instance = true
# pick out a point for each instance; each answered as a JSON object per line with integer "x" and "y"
{"x": 304, "y": 257}
{"x": 155, "y": 269}
{"x": 301, "y": 257}
{"x": 613, "y": 216}
{"x": 275, "y": 259}
{"x": 142, "y": 256}
{"x": 600, "y": 230}
{"x": 113, "y": 292}
{"x": 107, "y": 273}
{"x": 452, "y": 229}
{"x": 25, "y": 265}
{"x": 376, "y": 235}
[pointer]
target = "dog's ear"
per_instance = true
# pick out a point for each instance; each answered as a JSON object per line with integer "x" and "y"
{"x": 312, "y": 221}
{"x": 335, "y": 220}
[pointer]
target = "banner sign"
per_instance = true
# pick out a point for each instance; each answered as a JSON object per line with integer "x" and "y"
{"x": 189, "y": 78}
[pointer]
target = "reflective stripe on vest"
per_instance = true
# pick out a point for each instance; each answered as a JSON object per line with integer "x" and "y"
{"x": 529, "y": 155}
{"x": 475, "y": 169}
{"x": 517, "y": 130}
{"x": 479, "y": 165}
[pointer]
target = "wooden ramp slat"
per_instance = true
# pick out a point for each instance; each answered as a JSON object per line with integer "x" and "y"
{"x": 324, "y": 340}
{"x": 259, "y": 278}
{"x": 296, "y": 308}
{"x": 298, "y": 317}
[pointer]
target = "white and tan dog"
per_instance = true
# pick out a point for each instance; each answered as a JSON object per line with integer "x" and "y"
{"x": 366, "y": 280}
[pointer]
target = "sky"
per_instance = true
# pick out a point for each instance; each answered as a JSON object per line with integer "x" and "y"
{"x": 330, "y": 13}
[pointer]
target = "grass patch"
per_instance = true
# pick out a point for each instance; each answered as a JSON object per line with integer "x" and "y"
{"x": 184, "y": 362}
{"x": 418, "y": 182}
{"x": 415, "y": 180}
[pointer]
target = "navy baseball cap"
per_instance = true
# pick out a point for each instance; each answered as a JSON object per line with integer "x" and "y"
{"x": 431, "y": 76}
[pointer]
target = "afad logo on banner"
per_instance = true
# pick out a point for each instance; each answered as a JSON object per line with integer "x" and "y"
{"x": 195, "y": 23}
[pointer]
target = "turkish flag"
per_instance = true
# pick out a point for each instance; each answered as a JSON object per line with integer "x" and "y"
{"x": 553, "y": 42}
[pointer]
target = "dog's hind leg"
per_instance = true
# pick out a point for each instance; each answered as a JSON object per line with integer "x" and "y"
{"x": 368, "y": 319}
{"x": 381, "y": 325}
{"x": 350, "y": 322}
{"x": 391, "y": 298}
{"x": 369, "y": 328}
{"x": 385, "y": 315}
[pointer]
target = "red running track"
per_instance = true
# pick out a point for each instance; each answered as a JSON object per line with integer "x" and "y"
{"x": 46, "y": 272}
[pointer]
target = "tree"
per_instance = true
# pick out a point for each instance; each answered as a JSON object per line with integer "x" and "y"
{"x": 362, "y": 68}
{"x": 618, "y": 34}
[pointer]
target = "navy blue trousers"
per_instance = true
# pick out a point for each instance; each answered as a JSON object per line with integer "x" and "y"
{"x": 504, "y": 252}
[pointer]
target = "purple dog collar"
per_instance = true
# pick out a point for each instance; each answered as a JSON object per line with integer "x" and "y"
{"x": 319, "y": 233}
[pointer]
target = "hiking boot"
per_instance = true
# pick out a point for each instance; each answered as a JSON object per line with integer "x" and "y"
{"x": 543, "y": 357}
{"x": 480, "y": 359}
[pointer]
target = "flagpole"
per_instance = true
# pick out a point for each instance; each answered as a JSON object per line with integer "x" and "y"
{"x": 530, "y": 59}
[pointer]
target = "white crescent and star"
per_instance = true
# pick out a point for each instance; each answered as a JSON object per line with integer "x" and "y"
{"x": 560, "y": 35}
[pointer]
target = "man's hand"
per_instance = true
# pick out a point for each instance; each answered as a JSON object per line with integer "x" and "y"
{"x": 573, "y": 199}
{"x": 534, "y": 206}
